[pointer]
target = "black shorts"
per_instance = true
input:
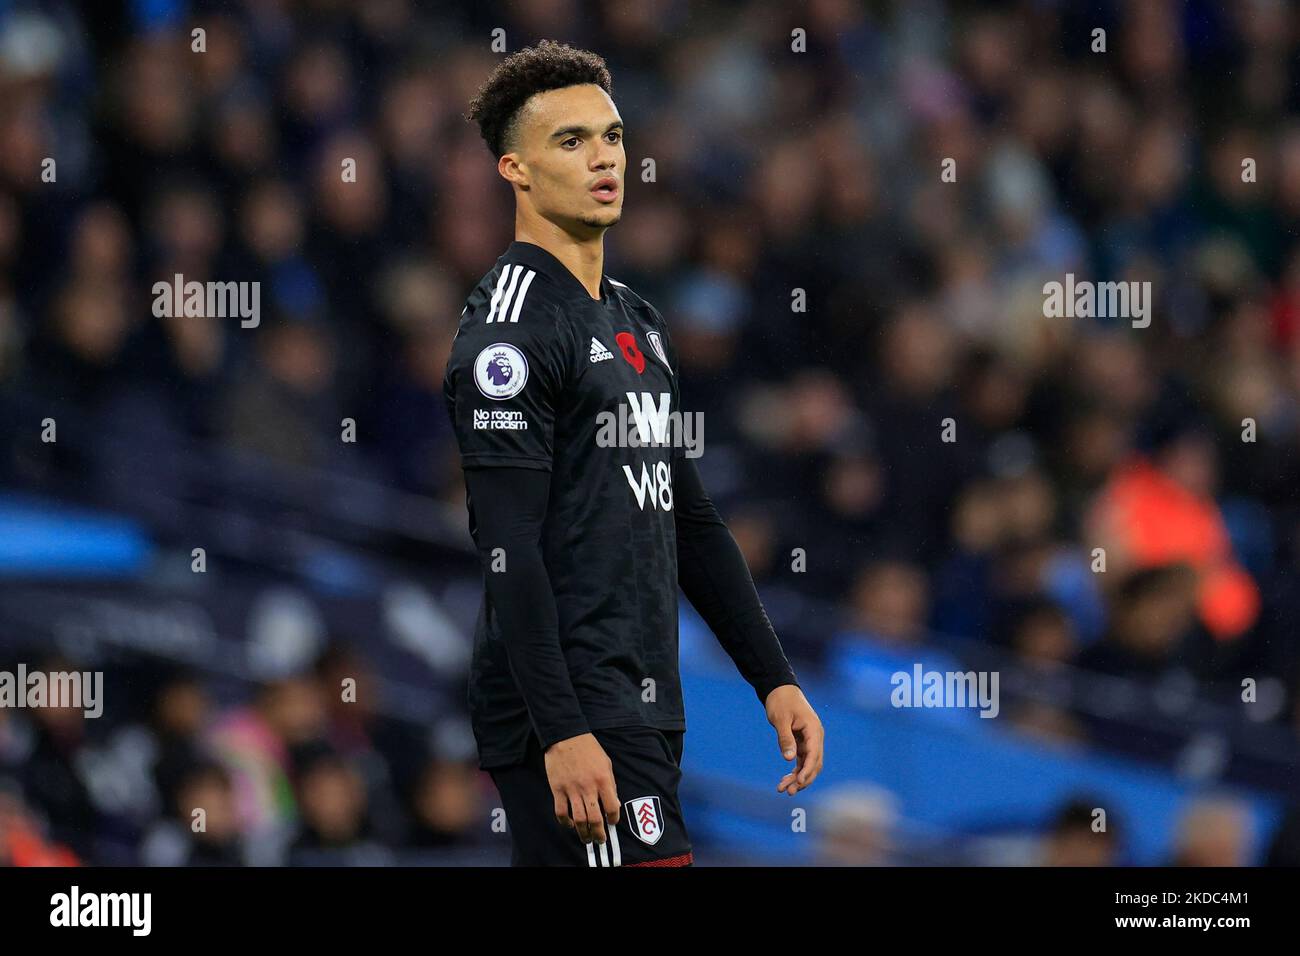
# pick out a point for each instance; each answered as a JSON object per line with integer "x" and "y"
{"x": 650, "y": 831}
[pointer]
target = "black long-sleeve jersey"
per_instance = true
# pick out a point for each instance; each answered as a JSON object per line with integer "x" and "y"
{"x": 578, "y": 627}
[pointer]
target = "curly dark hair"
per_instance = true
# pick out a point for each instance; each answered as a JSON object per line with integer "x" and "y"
{"x": 547, "y": 66}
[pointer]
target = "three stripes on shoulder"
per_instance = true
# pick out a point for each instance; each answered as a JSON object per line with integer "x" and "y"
{"x": 505, "y": 295}
{"x": 508, "y": 296}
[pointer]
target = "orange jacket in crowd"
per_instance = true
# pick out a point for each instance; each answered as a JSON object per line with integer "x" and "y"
{"x": 1152, "y": 520}
{"x": 26, "y": 848}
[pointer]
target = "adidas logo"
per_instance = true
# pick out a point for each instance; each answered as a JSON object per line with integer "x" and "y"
{"x": 599, "y": 353}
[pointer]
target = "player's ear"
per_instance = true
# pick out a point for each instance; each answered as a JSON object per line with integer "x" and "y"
{"x": 511, "y": 168}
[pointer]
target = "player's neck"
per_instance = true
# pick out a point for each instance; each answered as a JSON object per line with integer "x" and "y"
{"x": 585, "y": 258}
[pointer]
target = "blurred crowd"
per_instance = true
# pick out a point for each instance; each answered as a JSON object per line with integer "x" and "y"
{"x": 880, "y": 385}
{"x": 305, "y": 773}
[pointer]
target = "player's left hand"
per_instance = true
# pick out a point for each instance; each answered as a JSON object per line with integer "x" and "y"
{"x": 799, "y": 732}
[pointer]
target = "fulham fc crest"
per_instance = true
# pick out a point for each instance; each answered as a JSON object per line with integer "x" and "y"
{"x": 645, "y": 818}
{"x": 658, "y": 346}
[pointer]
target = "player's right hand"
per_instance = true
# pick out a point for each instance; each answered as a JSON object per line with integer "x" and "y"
{"x": 582, "y": 783}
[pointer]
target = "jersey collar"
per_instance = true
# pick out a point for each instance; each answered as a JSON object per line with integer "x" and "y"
{"x": 535, "y": 257}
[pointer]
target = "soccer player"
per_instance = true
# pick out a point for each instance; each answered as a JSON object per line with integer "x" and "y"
{"x": 574, "y": 693}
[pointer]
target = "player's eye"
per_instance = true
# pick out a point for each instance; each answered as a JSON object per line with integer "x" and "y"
{"x": 571, "y": 139}
{"x": 616, "y": 134}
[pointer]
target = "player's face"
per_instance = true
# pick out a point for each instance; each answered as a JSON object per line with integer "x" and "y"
{"x": 571, "y": 162}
